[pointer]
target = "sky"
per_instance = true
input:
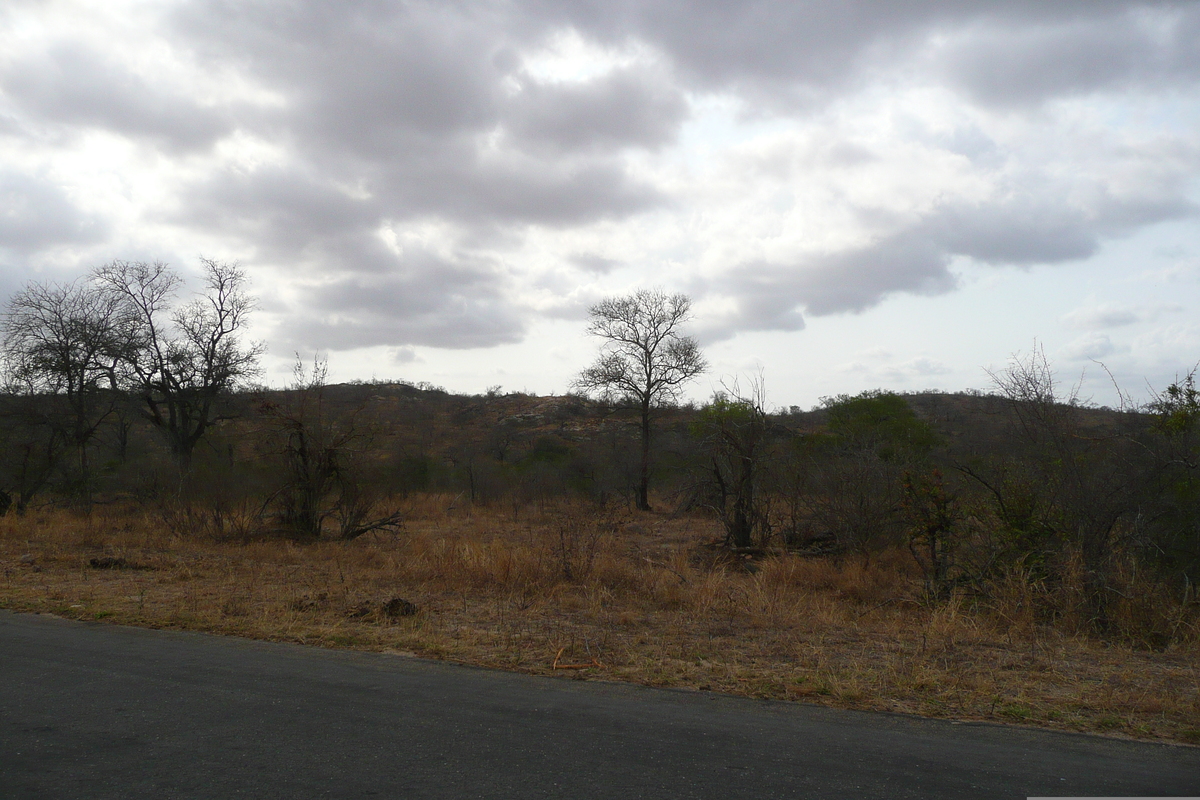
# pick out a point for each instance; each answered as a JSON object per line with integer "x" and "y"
{"x": 859, "y": 194}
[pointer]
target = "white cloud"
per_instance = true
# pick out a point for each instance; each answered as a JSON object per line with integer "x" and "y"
{"x": 1091, "y": 346}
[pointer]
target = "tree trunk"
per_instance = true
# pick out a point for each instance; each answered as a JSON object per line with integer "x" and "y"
{"x": 741, "y": 529}
{"x": 183, "y": 455}
{"x": 85, "y": 483}
{"x": 643, "y": 492}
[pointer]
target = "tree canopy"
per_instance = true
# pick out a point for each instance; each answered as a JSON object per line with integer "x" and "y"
{"x": 645, "y": 358}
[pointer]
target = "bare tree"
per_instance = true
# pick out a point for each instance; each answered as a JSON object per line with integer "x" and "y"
{"x": 64, "y": 342}
{"x": 325, "y": 483}
{"x": 183, "y": 359}
{"x": 33, "y": 451}
{"x": 736, "y": 430}
{"x": 644, "y": 358}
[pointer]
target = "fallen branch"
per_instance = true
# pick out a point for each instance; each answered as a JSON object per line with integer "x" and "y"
{"x": 557, "y": 665}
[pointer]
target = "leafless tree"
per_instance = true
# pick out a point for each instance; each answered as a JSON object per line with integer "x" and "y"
{"x": 64, "y": 342}
{"x": 1033, "y": 393}
{"x": 644, "y": 358}
{"x": 324, "y": 485}
{"x": 183, "y": 359}
{"x": 736, "y": 431}
{"x": 32, "y": 450}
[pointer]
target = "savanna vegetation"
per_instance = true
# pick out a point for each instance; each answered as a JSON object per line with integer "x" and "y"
{"x": 1016, "y": 555}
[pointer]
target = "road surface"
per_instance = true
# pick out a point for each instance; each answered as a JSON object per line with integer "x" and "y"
{"x": 102, "y": 711}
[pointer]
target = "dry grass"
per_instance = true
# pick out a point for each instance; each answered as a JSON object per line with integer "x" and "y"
{"x": 639, "y": 596}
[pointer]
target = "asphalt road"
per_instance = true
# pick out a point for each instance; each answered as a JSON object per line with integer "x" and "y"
{"x": 99, "y": 711}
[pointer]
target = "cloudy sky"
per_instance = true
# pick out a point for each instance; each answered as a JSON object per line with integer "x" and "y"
{"x": 856, "y": 194}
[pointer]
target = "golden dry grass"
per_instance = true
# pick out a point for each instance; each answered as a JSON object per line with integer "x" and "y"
{"x": 645, "y": 602}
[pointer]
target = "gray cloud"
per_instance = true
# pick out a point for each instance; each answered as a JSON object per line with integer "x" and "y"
{"x": 286, "y": 210}
{"x": 781, "y": 53}
{"x": 72, "y": 84}
{"x": 1023, "y": 231}
{"x": 786, "y": 49}
{"x": 1040, "y": 223}
{"x": 1101, "y": 317}
{"x": 400, "y": 102}
{"x": 519, "y": 190}
{"x": 1089, "y": 347}
{"x": 401, "y": 96}
{"x": 394, "y": 114}
{"x": 589, "y": 262}
{"x": 1019, "y": 229}
{"x": 622, "y": 109}
{"x": 374, "y": 80}
{"x": 1106, "y": 315}
{"x": 857, "y": 279}
{"x": 769, "y": 296}
{"x": 380, "y": 298}
{"x": 765, "y": 297}
{"x": 425, "y": 299}
{"x": 279, "y": 211}
{"x": 404, "y": 355}
{"x": 1015, "y": 65}
{"x": 36, "y": 214}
